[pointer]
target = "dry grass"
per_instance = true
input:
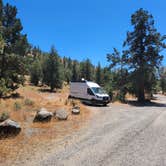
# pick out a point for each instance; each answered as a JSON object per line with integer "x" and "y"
{"x": 35, "y": 136}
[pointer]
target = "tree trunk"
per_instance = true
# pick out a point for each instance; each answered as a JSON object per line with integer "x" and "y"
{"x": 52, "y": 89}
{"x": 141, "y": 86}
{"x": 141, "y": 95}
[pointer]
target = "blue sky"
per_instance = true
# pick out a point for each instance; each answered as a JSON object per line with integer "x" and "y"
{"x": 83, "y": 29}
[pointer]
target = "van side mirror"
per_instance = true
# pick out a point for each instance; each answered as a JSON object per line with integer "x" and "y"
{"x": 89, "y": 92}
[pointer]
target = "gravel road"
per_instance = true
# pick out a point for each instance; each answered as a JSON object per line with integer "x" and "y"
{"x": 119, "y": 135}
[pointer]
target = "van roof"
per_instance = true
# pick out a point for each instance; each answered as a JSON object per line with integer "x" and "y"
{"x": 89, "y": 83}
{"x": 92, "y": 84}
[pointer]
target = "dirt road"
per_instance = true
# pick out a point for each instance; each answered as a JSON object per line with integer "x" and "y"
{"x": 119, "y": 135}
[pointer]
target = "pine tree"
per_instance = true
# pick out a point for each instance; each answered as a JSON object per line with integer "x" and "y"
{"x": 86, "y": 70}
{"x": 15, "y": 42}
{"x": 52, "y": 72}
{"x": 162, "y": 73}
{"x": 120, "y": 75}
{"x": 36, "y": 73}
{"x": 1, "y": 8}
{"x": 75, "y": 71}
{"x": 67, "y": 65}
{"x": 98, "y": 76}
{"x": 12, "y": 48}
{"x": 144, "y": 45}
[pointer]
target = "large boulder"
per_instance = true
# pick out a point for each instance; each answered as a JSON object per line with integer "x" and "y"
{"x": 76, "y": 110}
{"x": 9, "y": 128}
{"x": 61, "y": 114}
{"x": 43, "y": 115}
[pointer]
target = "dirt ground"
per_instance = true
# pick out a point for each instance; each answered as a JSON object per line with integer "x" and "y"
{"x": 118, "y": 135}
{"x": 35, "y": 137}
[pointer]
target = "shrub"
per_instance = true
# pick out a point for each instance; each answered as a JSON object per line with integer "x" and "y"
{"x": 36, "y": 73}
{"x": 4, "y": 116}
{"x": 28, "y": 102}
{"x": 3, "y": 89}
{"x": 17, "y": 106}
{"x": 74, "y": 102}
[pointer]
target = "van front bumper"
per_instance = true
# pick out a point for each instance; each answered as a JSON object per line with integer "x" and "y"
{"x": 104, "y": 102}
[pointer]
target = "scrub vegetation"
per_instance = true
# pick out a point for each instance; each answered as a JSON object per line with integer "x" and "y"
{"x": 31, "y": 79}
{"x": 137, "y": 70}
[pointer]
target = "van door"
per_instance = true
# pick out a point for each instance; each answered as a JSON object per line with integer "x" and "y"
{"x": 90, "y": 94}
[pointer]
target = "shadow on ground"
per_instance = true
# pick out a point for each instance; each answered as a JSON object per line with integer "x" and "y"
{"x": 94, "y": 105}
{"x": 13, "y": 96}
{"x": 146, "y": 104}
{"x": 46, "y": 90}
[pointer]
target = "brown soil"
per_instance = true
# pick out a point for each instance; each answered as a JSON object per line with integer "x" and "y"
{"x": 35, "y": 136}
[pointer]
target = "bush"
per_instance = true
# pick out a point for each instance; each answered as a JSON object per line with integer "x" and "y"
{"x": 17, "y": 106}
{"x": 3, "y": 89}
{"x": 36, "y": 73}
{"x": 74, "y": 102}
{"x": 28, "y": 102}
{"x": 4, "y": 116}
{"x": 121, "y": 95}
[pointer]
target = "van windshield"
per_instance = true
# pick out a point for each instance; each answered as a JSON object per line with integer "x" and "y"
{"x": 98, "y": 90}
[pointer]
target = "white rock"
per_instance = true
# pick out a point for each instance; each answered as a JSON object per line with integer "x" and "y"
{"x": 61, "y": 114}
{"x": 43, "y": 115}
{"x": 9, "y": 128}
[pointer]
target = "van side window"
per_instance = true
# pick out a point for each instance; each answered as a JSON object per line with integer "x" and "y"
{"x": 89, "y": 92}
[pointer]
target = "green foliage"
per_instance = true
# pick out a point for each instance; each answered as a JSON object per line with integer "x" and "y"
{"x": 53, "y": 71}
{"x": 3, "y": 89}
{"x": 36, "y": 72}
{"x": 137, "y": 65}
{"x": 144, "y": 45}
{"x": 28, "y": 102}
{"x": 120, "y": 75}
{"x": 98, "y": 74}
{"x": 86, "y": 70}
{"x": 17, "y": 106}
{"x": 2, "y": 43}
{"x": 15, "y": 42}
{"x": 162, "y": 73}
{"x": 12, "y": 71}
{"x": 67, "y": 65}
{"x": 13, "y": 47}
{"x": 4, "y": 116}
{"x": 75, "y": 71}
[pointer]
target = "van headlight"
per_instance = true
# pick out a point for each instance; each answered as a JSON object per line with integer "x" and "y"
{"x": 99, "y": 97}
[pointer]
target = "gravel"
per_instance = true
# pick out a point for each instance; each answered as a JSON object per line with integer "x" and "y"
{"x": 119, "y": 135}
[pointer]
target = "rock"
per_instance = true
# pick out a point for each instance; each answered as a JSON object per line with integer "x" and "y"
{"x": 61, "y": 114}
{"x": 76, "y": 110}
{"x": 43, "y": 116}
{"x": 9, "y": 128}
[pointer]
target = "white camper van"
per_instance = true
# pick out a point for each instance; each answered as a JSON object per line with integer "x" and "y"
{"x": 88, "y": 92}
